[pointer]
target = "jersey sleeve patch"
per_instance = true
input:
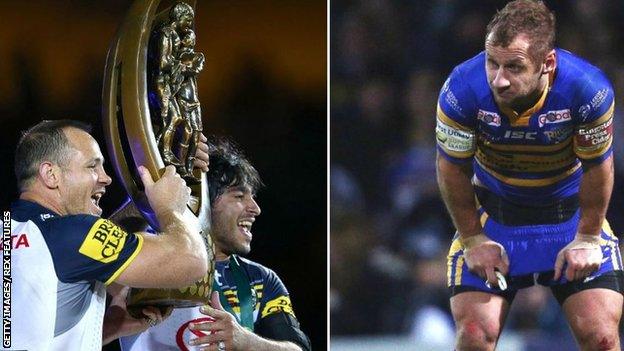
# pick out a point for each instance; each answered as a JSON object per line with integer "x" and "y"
{"x": 598, "y": 99}
{"x": 456, "y": 118}
{"x": 594, "y": 139}
{"x": 104, "y": 241}
{"x": 127, "y": 262}
{"x": 455, "y": 141}
{"x": 87, "y": 248}
{"x": 275, "y": 297}
{"x": 280, "y": 304}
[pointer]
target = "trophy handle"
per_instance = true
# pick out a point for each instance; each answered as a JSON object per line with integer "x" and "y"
{"x": 131, "y": 142}
{"x": 130, "y": 137}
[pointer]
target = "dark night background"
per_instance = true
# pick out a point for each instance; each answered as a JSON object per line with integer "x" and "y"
{"x": 263, "y": 85}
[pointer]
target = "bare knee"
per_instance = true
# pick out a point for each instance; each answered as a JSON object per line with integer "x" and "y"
{"x": 594, "y": 316}
{"x": 601, "y": 338}
{"x": 479, "y": 318}
{"x": 476, "y": 335}
{"x": 598, "y": 335}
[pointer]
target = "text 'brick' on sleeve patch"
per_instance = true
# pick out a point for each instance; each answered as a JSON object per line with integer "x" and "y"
{"x": 104, "y": 241}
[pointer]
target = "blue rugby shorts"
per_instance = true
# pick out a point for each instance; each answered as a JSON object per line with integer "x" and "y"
{"x": 532, "y": 251}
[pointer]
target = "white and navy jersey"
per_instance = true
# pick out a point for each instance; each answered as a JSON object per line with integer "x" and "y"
{"x": 271, "y": 299}
{"x": 60, "y": 266}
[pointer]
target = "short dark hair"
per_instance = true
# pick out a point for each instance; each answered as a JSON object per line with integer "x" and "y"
{"x": 530, "y": 17}
{"x": 44, "y": 141}
{"x": 229, "y": 168}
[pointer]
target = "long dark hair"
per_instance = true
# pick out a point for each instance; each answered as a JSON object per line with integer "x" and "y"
{"x": 229, "y": 168}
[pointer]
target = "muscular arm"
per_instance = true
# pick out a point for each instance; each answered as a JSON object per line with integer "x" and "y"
{"x": 483, "y": 256}
{"x": 164, "y": 252}
{"x": 594, "y": 195}
{"x": 583, "y": 255}
{"x": 178, "y": 255}
{"x": 458, "y": 195}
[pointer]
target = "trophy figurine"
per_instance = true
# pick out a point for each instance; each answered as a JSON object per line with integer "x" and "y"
{"x": 152, "y": 117}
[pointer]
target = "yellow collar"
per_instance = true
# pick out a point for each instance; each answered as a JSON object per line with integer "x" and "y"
{"x": 523, "y": 119}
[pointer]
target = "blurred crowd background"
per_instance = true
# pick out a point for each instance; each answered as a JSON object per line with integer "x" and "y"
{"x": 263, "y": 85}
{"x": 389, "y": 230}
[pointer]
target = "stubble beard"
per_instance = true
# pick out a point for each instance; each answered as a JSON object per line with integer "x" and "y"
{"x": 226, "y": 241}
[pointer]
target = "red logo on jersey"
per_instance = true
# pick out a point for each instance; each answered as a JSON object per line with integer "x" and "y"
{"x": 17, "y": 241}
{"x": 489, "y": 118}
{"x": 597, "y": 136}
{"x": 184, "y": 331}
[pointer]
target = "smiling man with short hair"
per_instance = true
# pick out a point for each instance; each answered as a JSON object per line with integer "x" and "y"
{"x": 59, "y": 278}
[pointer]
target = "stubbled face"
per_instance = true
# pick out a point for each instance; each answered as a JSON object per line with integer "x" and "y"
{"x": 83, "y": 179}
{"x": 512, "y": 76}
{"x": 233, "y": 214}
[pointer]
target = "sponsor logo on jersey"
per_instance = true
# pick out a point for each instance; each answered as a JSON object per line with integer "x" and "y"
{"x": 454, "y": 139}
{"x": 104, "y": 241}
{"x": 445, "y": 87}
{"x": 45, "y": 216}
{"x": 594, "y": 103}
{"x": 551, "y": 117}
{"x": 593, "y": 138}
{"x": 584, "y": 111}
{"x": 450, "y": 98}
{"x": 217, "y": 278}
{"x": 489, "y": 118}
{"x": 599, "y": 98}
{"x": 17, "y": 241}
{"x": 558, "y": 135}
{"x": 277, "y": 305}
{"x": 184, "y": 334}
{"x": 452, "y": 101}
{"x": 520, "y": 134}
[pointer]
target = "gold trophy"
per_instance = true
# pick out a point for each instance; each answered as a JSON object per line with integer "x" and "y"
{"x": 152, "y": 117}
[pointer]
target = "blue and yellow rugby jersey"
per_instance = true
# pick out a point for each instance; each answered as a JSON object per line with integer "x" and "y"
{"x": 535, "y": 156}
